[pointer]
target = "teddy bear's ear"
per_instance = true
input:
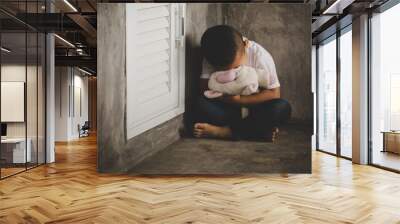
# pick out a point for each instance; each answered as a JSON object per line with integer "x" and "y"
{"x": 210, "y": 94}
{"x": 226, "y": 76}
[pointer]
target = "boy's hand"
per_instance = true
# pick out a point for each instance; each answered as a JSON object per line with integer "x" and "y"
{"x": 230, "y": 99}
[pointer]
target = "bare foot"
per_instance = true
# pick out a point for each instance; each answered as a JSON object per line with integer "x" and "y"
{"x": 272, "y": 135}
{"x": 202, "y": 130}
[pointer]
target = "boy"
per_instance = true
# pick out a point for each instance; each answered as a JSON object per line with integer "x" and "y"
{"x": 225, "y": 48}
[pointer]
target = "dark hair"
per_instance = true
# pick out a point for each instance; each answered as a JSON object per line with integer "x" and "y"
{"x": 220, "y": 45}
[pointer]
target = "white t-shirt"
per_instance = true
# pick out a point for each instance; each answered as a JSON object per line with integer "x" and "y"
{"x": 257, "y": 57}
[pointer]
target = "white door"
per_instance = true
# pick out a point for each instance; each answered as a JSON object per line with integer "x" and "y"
{"x": 154, "y": 64}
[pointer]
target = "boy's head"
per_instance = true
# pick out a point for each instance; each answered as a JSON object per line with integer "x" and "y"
{"x": 223, "y": 47}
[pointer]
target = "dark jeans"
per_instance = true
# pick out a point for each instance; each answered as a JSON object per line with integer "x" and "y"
{"x": 260, "y": 121}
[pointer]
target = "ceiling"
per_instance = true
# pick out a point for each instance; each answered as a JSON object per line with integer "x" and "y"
{"x": 75, "y": 22}
{"x": 332, "y": 15}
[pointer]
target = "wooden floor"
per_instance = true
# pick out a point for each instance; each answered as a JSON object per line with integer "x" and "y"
{"x": 386, "y": 159}
{"x": 9, "y": 171}
{"x": 71, "y": 191}
{"x": 5, "y": 172}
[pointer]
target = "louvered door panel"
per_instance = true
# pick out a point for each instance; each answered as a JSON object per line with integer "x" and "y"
{"x": 153, "y": 59}
{"x": 153, "y": 13}
{"x": 152, "y": 65}
{"x": 153, "y": 25}
{"x": 151, "y": 5}
{"x": 152, "y": 36}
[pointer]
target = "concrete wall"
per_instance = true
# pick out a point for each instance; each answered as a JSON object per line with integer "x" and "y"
{"x": 115, "y": 152}
{"x": 199, "y": 17}
{"x": 92, "y": 109}
{"x": 285, "y": 31}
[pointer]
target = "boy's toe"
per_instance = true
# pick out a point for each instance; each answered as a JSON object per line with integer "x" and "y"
{"x": 197, "y": 134}
{"x": 200, "y": 126}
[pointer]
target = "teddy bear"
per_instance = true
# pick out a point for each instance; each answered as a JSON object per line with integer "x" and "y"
{"x": 243, "y": 80}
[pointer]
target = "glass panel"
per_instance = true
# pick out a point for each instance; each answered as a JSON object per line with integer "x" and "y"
{"x": 23, "y": 90}
{"x": 41, "y": 98}
{"x": 32, "y": 90}
{"x": 13, "y": 88}
{"x": 32, "y": 95}
{"x": 346, "y": 94}
{"x": 327, "y": 96}
{"x": 385, "y": 87}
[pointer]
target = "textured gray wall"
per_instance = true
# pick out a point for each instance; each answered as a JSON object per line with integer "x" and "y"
{"x": 199, "y": 17}
{"x": 115, "y": 152}
{"x": 285, "y": 31}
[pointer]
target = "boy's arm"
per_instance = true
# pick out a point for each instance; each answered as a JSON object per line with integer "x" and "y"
{"x": 206, "y": 70}
{"x": 203, "y": 85}
{"x": 262, "y": 96}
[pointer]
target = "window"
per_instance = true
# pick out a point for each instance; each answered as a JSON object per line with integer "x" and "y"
{"x": 334, "y": 93}
{"x": 385, "y": 88}
{"x": 326, "y": 94}
{"x": 346, "y": 92}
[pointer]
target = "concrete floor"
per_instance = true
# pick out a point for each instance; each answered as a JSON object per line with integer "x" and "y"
{"x": 291, "y": 153}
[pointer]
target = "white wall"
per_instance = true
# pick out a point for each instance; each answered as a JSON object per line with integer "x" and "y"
{"x": 80, "y": 82}
{"x": 33, "y": 127}
{"x": 16, "y": 72}
{"x": 62, "y": 81}
{"x": 67, "y": 117}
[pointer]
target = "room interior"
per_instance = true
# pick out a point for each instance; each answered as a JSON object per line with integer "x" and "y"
{"x": 72, "y": 102}
{"x": 335, "y": 80}
{"x": 25, "y": 67}
{"x": 354, "y": 143}
{"x": 22, "y": 102}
